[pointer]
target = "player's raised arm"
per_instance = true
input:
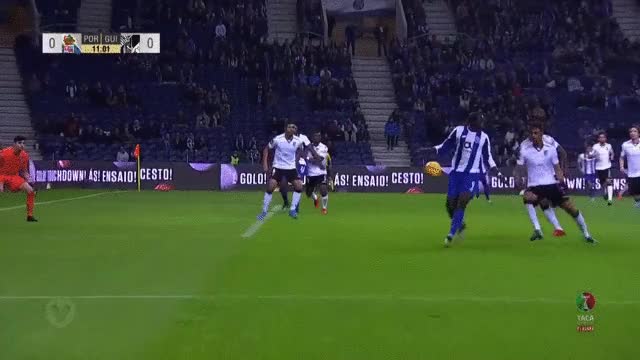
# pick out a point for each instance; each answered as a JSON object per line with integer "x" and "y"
{"x": 448, "y": 143}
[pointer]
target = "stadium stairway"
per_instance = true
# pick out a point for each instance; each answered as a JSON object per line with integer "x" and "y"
{"x": 439, "y": 19}
{"x": 377, "y": 101}
{"x": 281, "y": 17}
{"x": 627, "y": 13}
{"x": 94, "y": 16}
{"x": 15, "y": 118}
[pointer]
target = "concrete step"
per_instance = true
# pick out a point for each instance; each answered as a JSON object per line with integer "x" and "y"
{"x": 13, "y": 96}
{"x": 377, "y": 118}
{"x": 14, "y": 110}
{"x": 5, "y": 51}
{"x": 10, "y": 83}
{"x": 372, "y": 111}
{"x": 365, "y": 104}
{"x": 377, "y": 76}
{"x": 376, "y": 93}
{"x": 10, "y": 77}
{"x": 13, "y": 103}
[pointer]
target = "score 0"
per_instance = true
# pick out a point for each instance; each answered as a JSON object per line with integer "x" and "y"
{"x": 51, "y": 43}
{"x": 150, "y": 43}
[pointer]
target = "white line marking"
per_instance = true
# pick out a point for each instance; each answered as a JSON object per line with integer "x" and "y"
{"x": 253, "y": 229}
{"x": 327, "y": 298}
{"x": 62, "y": 200}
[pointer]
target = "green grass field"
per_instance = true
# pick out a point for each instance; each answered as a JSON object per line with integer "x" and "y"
{"x": 151, "y": 276}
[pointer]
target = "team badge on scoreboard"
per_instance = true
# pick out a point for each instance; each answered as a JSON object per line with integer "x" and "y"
{"x": 70, "y": 45}
{"x": 140, "y": 43}
{"x": 130, "y": 43}
{"x": 62, "y": 43}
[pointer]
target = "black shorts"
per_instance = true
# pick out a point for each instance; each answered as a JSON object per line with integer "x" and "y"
{"x": 288, "y": 175}
{"x": 313, "y": 181}
{"x": 603, "y": 175}
{"x": 634, "y": 186}
{"x": 553, "y": 193}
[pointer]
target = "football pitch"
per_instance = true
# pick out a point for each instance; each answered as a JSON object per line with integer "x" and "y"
{"x": 191, "y": 275}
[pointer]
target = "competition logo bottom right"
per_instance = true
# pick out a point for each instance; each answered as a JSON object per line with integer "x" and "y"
{"x": 586, "y": 302}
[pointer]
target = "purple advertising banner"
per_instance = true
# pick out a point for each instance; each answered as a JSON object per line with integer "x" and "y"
{"x": 391, "y": 179}
{"x": 574, "y": 183}
{"x": 123, "y": 175}
{"x": 226, "y": 177}
{"x": 345, "y": 178}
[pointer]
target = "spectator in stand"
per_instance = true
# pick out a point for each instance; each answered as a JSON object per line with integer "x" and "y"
{"x": 380, "y": 33}
{"x": 123, "y": 155}
{"x": 71, "y": 91}
{"x": 391, "y": 133}
{"x": 350, "y": 36}
{"x": 254, "y": 155}
{"x": 239, "y": 144}
{"x": 235, "y": 158}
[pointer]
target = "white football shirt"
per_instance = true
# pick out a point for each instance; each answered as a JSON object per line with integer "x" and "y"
{"x": 540, "y": 163}
{"x": 304, "y": 139}
{"x": 603, "y": 156}
{"x": 631, "y": 152}
{"x": 547, "y": 139}
{"x": 313, "y": 167}
{"x": 285, "y": 151}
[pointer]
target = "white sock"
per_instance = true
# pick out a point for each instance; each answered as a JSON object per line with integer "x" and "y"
{"x": 266, "y": 201}
{"x": 325, "y": 201}
{"x": 533, "y": 216}
{"x": 551, "y": 216}
{"x": 610, "y": 192}
{"x": 314, "y": 196}
{"x": 295, "y": 200}
{"x": 582, "y": 224}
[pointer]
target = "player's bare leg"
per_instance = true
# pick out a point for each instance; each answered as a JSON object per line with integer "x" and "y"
{"x": 310, "y": 191}
{"x": 31, "y": 201}
{"x": 457, "y": 218}
{"x": 284, "y": 192}
{"x": 324, "y": 192}
{"x": 622, "y": 191}
{"x": 550, "y": 214}
{"x": 295, "y": 200}
{"x": 571, "y": 209}
{"x": 530, "y": 202}
{"x": 266, "y": 201}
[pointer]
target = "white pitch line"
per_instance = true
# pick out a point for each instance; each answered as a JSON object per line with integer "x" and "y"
{"x": 253, "y": 229}
{"x": 62, "y": 200}
{"x": 327, "y": 298}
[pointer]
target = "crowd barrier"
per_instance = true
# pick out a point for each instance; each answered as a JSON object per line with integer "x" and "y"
{"x": 226, "y": 177}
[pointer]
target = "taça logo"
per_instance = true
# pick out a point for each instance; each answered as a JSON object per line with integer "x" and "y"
{"x": 585, "y": 301}
{"x": 358, "y": 4}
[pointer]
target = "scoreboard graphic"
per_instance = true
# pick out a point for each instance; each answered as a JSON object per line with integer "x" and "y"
{"x": 102, "y": 43}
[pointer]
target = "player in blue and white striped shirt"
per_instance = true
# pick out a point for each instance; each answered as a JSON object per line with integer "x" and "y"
{"x": 472, "y": 149}
{"x": 587, "y": 166}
